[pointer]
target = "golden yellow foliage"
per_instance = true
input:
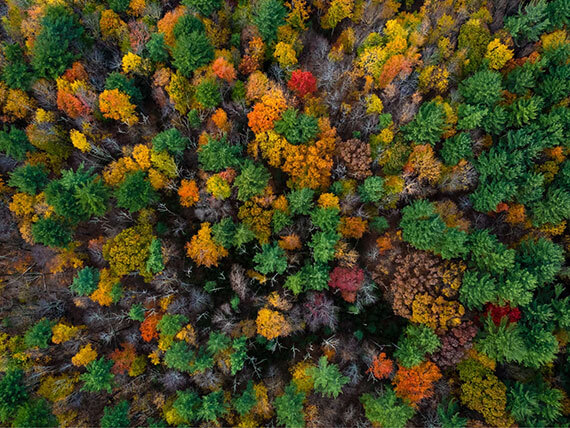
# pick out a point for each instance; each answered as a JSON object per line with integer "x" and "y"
{"x": 85, "y": 355}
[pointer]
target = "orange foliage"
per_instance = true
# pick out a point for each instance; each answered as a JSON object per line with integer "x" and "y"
{"x": 123, "y": 358}
{"x": 167, "y": 23}
{"x": 115, "y": 104}
{"x": 224, "y": 69}
{"x": 148, "y": 327}
{"x": 352, "y": 227}
{"x": 266, "y": 112}
{"x": 290, "y": 242}
{"x": 382, "y": 366}
{"x": 188, "y": 192}
{"x": 416, "y": 383}
{"x": 202, "y": 248}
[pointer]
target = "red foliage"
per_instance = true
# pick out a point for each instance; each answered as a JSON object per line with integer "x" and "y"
{"x": 123, "y": 358}
{"x": 71, "y": 105}
{"x": 498, "y": 312}
{"x": 302, "y": 83}
{"x": 381, "y": 367}
{"x": 148, "y": 327}
{"x": 347, "y": 280}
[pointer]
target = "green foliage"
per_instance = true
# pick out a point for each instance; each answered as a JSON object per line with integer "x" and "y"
{"x": 417, "y": 341}
{"x": 213, "y": 406}
{"x": 327, "y": 379}
{"x": 535, "y": 403}
{"x": 268, "y": 16}
{"x": 246, "y": 401}
{"x": 477, "y": 288}
{"x": 301, "y": 201}
{"x": 372, "y": 190}
{"x": 272, "y": 259}
{"x": 192, "y": 51}
{"x": 155, "y": 262}
{"x": 186, "y": 405}
{"x": 98, "y": 376}
{"x": 456, "y": 148}
{"x": 322, "y": 244}
{"x": 289, "y": 407}
{"x": 51, "y": 232}
{"x": 239, "y": 354}
{"x": 116, "y": 416}
{"x": 171, "y": 324}
{"x": 116, "y": 80}
{"x": 310, "y": 277}
{"x": 208, "y": 93}
{"x": 29, "y": 179}
{"x": 473, "y": 38}
{"x": 218, "y": 342}
{"x": 15, "y": 143}
{"x": 135, "y": 192}
{"x": 483, "y": 88}
{"x": 387, "y": 409}
{"x": 379, "y": 224}
{"x": 179, "y": 356}
{"x": 297, "y": 128}
{"x": 541, "y": 257}
{"x": 252, "y": 180}
{"x": 156, "y": 48}
{"x": 205, "y": 7}
{"x": 12, "y": 393}
{"x": 554, "y": 208}
{"x": 170, "y": 140}
{"x": 449, "y": 417}
{"x": 186, "y": 25}
{"x": 53, "y": 50}
{"x": 427, "y": 126}
{"x": 78, "y": 195}
{"x": 86, "y": 281}
{"x": 470, "y": 117}
{"x": 489, "y": 254}
{"x": 136, "y": 313}
{"x": 217, "y": 155}
{"x": 16, "y": 72}
{"x": 119, "y": 6}
{"x": 35, "y": 413}
{"x": 529, "y": 23}
{"x": 326, "y": 219}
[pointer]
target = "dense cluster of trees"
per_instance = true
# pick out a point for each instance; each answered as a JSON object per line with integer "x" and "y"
{"x": 304, "y": 213}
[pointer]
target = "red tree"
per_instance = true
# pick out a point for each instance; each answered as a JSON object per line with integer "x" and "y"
{"x": 302, "y": 83}
{"x": 347, "y": 280}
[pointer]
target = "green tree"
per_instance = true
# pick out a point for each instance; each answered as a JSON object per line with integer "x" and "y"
{"x": 53, "y": 50}
{"x": 135, "y": 192}
{"x": 171, "y": 324}
{"x": 372, "y": 190}
{"x": 489, "y": 254}
{"x": 247, "y": 400}
{"x": 13, "y": 393}
{"x": 136, "y": 313}
{"x": 387, "y": 409}
{"x": 208, "y": 93}
{"x": 192, "y": 51}
{"x": 98, "y": 376}
{"x": 39, "y": 335}
{"x": 218, "y": 342}
{"x": 155, "y": 262}
{"x": 179, "y": 356}
{"x": 205, "y": 7}
{"x": 16, "y": 72}
{"x": 51, "y": 232}
{"x": 272, "y": 259}
{"x": 15, "y": 143}
{"x": 483, "y": 88}
{"x": 86, "y": 281}
{"x": 289, "y": 407}
{"x": 268, "y": 16}
{"x": 427, "y": 126}
{"x": 116, "y": 80}
{"x": 326, "y": 219}
{"x": 417, "y": 341}
{"x": 187, "y": 404}
{"x": 170, "y": 140}
{"x": 541, "y": 257}
{"x": 297, "y": 128}
{"x": 554, "y": 208}
{"x": 35, "y": 413}
{"x": 448, "y": 415}
{"x": 156, "y": 48}
{"x": 477, "y": 288}
{"x": 327, "y": 379}
{"x": 239, "y": 354}
{"x": 529, "y": 23}
{"x": 217, "y": 155}
{"x": 322, "y": 244}
{"x": 119, "y": 6}
{"x": 213, "y": 406}
{"x": 30, "y": 179}
{"x": 535, "y": 403}
{"x": 252, "y": 180}
{"x": 301, "y": 201}
{"x": 116, "y": 416}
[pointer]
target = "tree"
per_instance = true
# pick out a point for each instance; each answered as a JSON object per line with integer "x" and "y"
{"x": 251, "y": 181}
{"x": 205, "y": 7}
{"x": 347, "y": 280}
{"x": 86, "y": 281}
{"x": 187, "y": 404}
{"x": 30, "y": 179}
{"x": 192, "y": 51}
{"x": 171, "y": 324}
{"x": 217, "y": 155}
{"x": 323, "y": 246}
{"x": 155, "y": 262}
{"x": 427, "y": 126}
{"x": 202, "y": 248}
{"x": 135, "y": 192}
{"x": 247, "y": 400}
{"x": 272, "y": 259}
{"x": 387, "y": 409}
{"x": 271, "y": 324}
{"x": 417, "y": 341}
{"x": 483, "y": 88}
{"x": 213, "y": 406}
{"x": 170, "y": 140}
{"x": 530, "y": 23}
{"x": 13, "y": 393}
{"x": 372, "y": 190}
{"x": 15, "y": 143}
{"x": 51, "y": 232}
{"x": 34, "y": 413}
{"x": 98, "y": 376}
{"x": 16, "y": 72}
{"x": 116, "y": 105}
{"x": 156, "y": 48}
{"x": 416, "y": 383}
{"x": 456, "y": 148}
{"x": 297, "y": 128}
{"x": 289, "y": 407}
{"x": 53, "y": 52}
{"x": 125, "y": 85}
{"x": 327, "y": 379}
{"x": 116, "y": 416}
{"x": 208, "y": 93}
{"x": 268, "y": 16}
{"x": 302, "y": 83}
{"x": 534, "y": 403}
{"x": 301, "y": 201}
